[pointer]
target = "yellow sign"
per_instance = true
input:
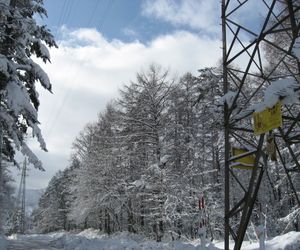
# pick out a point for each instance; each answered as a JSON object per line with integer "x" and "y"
{"x": 246, "y": 162}
{"x": 267, "y": 119}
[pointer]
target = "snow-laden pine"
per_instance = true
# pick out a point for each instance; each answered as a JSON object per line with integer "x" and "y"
{"x": 21, "y": 39}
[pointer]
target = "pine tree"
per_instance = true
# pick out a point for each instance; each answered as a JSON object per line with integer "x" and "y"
{"x": 99, "y": 175}
{"x": 6, "y": 198}
{"x": 51, "y": 214}
{"x": 144, "y": 104}
{"x": 20, "y": 39}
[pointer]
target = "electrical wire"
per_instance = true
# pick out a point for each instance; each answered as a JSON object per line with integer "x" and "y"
{"x": 109, "y": 4}
{"x": 69, "y": 91}
{"x": 63, "y": 11}
{"x": 70, "y": 10}
{"x": 93, "y": 12}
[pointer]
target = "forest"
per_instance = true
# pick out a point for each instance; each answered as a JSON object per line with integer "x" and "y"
{"x": 145, "y": 162}
{"x": 152, "y": 154}
{"x": 153, "y": 162}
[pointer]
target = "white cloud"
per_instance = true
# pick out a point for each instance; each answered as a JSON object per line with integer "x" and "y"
{"x": 202, "y": 15}
{"x": 130, "y": 32}
{"x": 86, "y": 72}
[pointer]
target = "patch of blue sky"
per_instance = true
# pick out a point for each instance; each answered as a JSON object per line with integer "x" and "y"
{"x": 115, "y": 19}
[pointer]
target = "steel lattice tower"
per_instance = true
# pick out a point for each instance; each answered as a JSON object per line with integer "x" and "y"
{"x": 246, "y": 43}
{"x": 19, "y": 216}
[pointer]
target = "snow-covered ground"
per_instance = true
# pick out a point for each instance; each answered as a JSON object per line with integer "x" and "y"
{"x": 93, "y": 240}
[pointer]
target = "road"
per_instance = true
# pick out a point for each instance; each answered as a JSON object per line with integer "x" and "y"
{"x": 32, "y": 242}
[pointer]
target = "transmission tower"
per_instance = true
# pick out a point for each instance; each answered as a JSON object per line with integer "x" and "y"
{"x": 245, "y": 42}
{"x": 19, "y": 216}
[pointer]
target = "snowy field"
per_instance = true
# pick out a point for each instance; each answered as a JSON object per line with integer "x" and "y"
{"x": 93, "y": 240}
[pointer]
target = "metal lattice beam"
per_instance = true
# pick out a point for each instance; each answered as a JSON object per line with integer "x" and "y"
{"x": 245, "y": 44}
{"x": 19, "y": 215}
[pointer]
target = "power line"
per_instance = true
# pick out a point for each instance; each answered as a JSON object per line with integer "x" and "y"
{"x": 68, "y": 93}
{"x": 93, "y": 12}
{"x": 109, "y": 4}
{"x": 62, "y": 14}
{"x": 69, "y": 11}
{"x": 65, "y": 12}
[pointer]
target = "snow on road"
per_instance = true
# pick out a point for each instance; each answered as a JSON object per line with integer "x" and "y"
{"x": 94, "y": 240}
{"x": 34, "y": 242}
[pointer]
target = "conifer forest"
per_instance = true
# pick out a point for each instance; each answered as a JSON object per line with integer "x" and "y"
{"x": 211, "y": 156}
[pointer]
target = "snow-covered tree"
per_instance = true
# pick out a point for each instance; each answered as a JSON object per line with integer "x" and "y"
{"x": 149, "y": 158}
{"x": 22, "y": 38}
{"x": 99, "y": 181}
{"x": 6, "y": 198}
{"x": 145, "y": 116}
{"x": 52, "y": 212}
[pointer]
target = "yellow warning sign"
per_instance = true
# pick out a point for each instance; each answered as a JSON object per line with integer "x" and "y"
{"x": 246, "y": 162}
{"x": 267, "y": 119}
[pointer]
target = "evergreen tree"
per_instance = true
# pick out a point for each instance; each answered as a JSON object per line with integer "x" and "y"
{"x": 99, "y": 183}
{"x": 6, "y": 198}
{"x": 52, "y": 212}
{"x": 20, "y": 39}
{"x": 145, "y": 117}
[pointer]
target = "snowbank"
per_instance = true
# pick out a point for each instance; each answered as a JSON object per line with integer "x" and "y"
{"x": 95, "y": 240}
{"x": 289, "y": 241}
{"x": 3, "y": 243}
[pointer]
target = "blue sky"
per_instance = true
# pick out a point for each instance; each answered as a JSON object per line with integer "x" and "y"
{"x": 115, "y": 19}
{"x": 102, "y": 45}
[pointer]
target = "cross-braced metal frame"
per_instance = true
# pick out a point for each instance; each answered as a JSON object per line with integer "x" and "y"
{"x": 254, "y": 31}
{"x": 19, "y": 215}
